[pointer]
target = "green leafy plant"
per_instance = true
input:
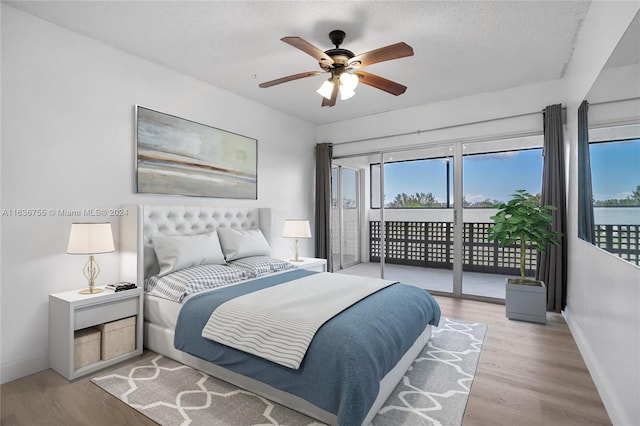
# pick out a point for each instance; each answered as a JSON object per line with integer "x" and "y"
{"x": 524, "y": 221}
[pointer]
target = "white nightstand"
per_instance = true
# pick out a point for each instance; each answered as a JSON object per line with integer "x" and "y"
{"x": 310, "y": 263}
{"x": 71, "y": 311}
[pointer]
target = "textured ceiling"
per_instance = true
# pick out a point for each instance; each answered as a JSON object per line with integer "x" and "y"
{"x": 461, "y": 48}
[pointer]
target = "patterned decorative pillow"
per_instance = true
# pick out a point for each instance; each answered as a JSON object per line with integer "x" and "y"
{"x": 257, "y": 266}
{"x": 176, "y": 285}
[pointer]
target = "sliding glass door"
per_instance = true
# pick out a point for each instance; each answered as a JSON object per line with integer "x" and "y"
{"x": 417, "y": 209}
{"x": 492, "y": 172}
{"x": 345, "y": 216}
{"x": 424, "y": 213}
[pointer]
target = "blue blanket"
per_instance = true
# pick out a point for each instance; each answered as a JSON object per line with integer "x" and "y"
{"x": 347, "y": 358}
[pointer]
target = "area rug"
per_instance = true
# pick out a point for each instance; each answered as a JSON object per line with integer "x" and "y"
{"x": 434, "y": 391}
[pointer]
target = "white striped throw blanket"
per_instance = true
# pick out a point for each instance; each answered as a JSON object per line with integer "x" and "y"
{"x": 278, "y": 323}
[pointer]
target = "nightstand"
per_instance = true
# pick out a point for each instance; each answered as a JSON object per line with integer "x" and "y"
{"x": 71, "y": 314}
{"x": 310, "y": 263}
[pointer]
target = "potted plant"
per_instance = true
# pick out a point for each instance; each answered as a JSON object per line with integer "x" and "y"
{"x": 527, "y": 223}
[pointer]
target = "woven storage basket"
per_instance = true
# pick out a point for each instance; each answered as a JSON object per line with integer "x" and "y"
{"x": 118, "y": 337}
{"x": 86, "y": 344}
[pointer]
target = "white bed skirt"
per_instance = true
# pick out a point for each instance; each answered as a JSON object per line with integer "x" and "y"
{"x": 160, "y": 340}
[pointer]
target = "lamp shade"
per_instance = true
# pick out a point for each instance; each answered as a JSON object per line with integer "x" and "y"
{"x": 348, "y": 80}
{"x": 346, "y": 93}
{"x": 90, "y": 238}
{"x": 326, "y": 89}
{"x": 294, "y": 228}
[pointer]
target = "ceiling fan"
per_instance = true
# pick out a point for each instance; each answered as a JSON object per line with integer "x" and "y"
{"x": 344, "y": 68}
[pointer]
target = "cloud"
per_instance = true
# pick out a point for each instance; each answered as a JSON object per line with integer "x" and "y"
{"x": 618, "y": 196}
{"x": 475, "y": 197}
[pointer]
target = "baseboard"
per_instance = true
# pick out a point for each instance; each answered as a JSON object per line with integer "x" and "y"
{"x": 17, "y": 369}
{"x": 616, "y": 412}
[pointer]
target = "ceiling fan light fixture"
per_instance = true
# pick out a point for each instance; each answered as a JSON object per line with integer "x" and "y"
{"x": 326, "y": 89}
{"x": 346, "y": 93}
{"x": 348, "y": 80}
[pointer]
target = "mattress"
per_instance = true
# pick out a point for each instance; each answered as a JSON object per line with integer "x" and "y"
{"x": 161, "y": 312}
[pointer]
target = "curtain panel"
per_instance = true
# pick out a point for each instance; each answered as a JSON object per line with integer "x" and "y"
{"x": 324, "y": 154}
{"x": 585, "y": 189}
{"x": 552, "y": 263}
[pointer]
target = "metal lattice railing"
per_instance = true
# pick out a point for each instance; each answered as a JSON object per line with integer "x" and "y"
{"x": 621, "y": 240}
{"x": 430, "y": 244}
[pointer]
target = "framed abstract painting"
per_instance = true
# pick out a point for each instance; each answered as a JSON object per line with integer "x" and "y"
{"x": 181, "y": 157}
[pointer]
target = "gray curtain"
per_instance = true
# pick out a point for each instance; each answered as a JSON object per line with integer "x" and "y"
{"x": 552, "y": 263}
{"x": 585, "y": 190}
{"x": 324, "y": 153}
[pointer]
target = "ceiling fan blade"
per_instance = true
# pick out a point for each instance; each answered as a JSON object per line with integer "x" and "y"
{"x": 381, "y": 83}
{"x": 387, "y": 53}
{"x": 289, "y": 78}
{"x": 334, "y": 96}
{"x": 308, "y": 48}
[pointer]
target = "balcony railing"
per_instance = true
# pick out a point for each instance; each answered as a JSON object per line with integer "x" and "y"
{"x": 430, "y": 244}
{"x": 621, "y": 240}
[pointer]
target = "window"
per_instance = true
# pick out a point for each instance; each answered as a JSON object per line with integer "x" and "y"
{"x": 615, "y": 175}
{"x": 423, "y": 183}
{"x": 349, "y": 188}
{"x": 488, "y": 179}
{"x": 492, "y": 178}
{"x": 615, "y": 179}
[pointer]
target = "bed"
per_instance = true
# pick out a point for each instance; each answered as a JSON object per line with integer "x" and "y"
{"x": 346, "y": 371}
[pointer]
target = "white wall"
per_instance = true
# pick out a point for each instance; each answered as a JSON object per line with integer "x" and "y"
{"x": 603, "y": 304}
{"x": 67, "y": 143}
{"x": 603, "y": 298}
{"x": 446, "y": 121}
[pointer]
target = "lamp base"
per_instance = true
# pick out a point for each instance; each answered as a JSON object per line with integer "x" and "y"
{"x": 296, "y": 260}
{"x": 91, "y": 291}
{"x": 91, "y": 271}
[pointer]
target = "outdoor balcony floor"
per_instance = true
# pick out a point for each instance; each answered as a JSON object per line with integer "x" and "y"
{"x": 435, "y": 279}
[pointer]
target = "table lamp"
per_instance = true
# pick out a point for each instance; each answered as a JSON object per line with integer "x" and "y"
{"x": 90, "y": 238}
{"x": 294, "y": 228}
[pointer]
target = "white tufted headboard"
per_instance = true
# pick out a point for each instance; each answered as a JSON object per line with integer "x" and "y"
{"x": 147, "y": 221}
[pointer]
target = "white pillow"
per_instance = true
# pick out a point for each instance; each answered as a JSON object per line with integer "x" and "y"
{"x": 237, "y": 243}
{"x": 179, "y": 252}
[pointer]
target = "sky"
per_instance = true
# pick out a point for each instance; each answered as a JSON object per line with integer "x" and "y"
{"x": 615, "y": 174}
{"x": 486, "y": 176}
{"x": 615, "y": 169}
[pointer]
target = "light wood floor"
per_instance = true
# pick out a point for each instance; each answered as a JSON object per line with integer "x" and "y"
{"x": 528, "y": 374}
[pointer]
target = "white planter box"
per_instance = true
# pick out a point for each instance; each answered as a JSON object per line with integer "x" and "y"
{"x": 526, "y": 303}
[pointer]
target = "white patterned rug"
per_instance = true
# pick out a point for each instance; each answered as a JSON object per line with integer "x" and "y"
{"x": 434, "y": 391}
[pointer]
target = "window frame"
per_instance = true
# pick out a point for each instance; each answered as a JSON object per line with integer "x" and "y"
{"x": 449, "y": 204}
{"x": 600, "y": 142}
{"x": 500, "y": 152}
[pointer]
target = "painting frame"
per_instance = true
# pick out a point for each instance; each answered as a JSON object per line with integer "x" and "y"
{"x": 177, "y": 156}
